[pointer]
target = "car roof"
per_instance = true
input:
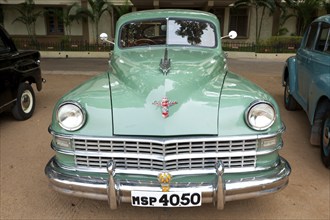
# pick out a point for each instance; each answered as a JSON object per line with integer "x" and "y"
{"x": 324, "y": 18}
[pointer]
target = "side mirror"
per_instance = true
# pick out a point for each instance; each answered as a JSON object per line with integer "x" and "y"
{"x": 231, "y": 35}
{"x": 104, "y": 38}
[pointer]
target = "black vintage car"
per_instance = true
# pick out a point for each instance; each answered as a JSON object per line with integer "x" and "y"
{"x": 18, "y": 71}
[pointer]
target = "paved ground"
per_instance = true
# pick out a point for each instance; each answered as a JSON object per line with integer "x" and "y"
{"x": 24, "y": 151}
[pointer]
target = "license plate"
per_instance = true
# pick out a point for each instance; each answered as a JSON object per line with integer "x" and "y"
{"x": 166, "y": 199}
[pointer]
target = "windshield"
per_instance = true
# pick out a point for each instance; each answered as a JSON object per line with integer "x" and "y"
{"x": 181, "y": 32}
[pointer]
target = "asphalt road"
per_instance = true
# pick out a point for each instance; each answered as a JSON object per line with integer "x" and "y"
{"x": 25, "y": 150}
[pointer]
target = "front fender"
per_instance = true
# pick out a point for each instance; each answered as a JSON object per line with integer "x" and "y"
{"x": 290, "y": 73}
{"x": 236, "y": 96}
{"x": 94, "y": 97}
{"x": 319, "y": 91}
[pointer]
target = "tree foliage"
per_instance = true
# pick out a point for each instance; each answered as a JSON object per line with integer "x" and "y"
{"x": 122, "y": 9}
{"x": 326, "y": 5}
{"x": 257, "y": 5}
{"x": 28, "y": 16}
{"x": 69, "y": 17}
{"x": 96, "y": 9}
{"x": 304, "y": 11}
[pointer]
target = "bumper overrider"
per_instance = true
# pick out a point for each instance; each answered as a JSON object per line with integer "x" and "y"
{"x": 218, "y": 189}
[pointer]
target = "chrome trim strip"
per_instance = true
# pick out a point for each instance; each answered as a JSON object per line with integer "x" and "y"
{"x": 247, "y": 153}
{"x": 166, "y": 158}
{"x": 169, "y": 140}
{"x": 173, "y": 173}
{"x": 8, "y": 103}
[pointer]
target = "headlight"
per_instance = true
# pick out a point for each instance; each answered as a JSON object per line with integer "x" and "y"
{"x": 71, "y": 116}
{"x": 260, "y": 115}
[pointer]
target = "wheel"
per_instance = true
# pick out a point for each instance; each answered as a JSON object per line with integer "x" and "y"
{"x": 25, "y": 103}
{"x": 289, "y": 102}
{"x": 325, "y": 141}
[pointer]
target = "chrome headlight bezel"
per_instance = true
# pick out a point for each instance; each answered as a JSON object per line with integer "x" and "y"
{"x": 74, "y": 109}
{"x": 260, "y": 108}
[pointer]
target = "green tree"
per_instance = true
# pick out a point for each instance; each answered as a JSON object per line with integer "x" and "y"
{"x": 1, "y": 13}
{"x": 69, "y": 17}
{"x": 118, "y": 11}
{"x": 280, "y": 16}
{"x": 96, "y": 9}
{"x": 122, "y": 9}
{"x": 28, "y": 16}
{"x": 304, "y": 11}
{"x": 257, "y": 5}
{"x": 326, "y": 5}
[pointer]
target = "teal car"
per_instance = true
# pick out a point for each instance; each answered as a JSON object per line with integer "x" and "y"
{"x": 168, "y": 125}
{"x": 306, "y": 79}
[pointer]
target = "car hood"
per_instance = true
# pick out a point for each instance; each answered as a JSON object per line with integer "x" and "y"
{"x": 140, "y": 89}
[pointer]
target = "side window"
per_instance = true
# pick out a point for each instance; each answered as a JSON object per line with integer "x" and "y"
{"x": 311, "y": 36}
{"x": 322, "y": 43}
{"x": 3, "y": 47}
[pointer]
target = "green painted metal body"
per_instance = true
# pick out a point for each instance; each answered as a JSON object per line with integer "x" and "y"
{"x": 211, "y": 101}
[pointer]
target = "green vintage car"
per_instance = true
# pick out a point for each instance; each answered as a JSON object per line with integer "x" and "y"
{"x": 168, "y": 125}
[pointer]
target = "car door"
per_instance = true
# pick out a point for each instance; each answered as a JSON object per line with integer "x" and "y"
{"x": 6, "y": 95}
{"x": 304, "y": 65}
{"x": 319, "y": 76}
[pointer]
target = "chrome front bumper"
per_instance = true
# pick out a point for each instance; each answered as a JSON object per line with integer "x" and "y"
{"x": 217, "y": 192}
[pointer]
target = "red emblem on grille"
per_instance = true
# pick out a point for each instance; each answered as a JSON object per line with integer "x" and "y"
{"x": 165, "y": 104}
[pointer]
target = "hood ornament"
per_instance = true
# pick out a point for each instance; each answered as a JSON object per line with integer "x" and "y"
{"x": 165, "y": 64}
{"x": 165, "y": 104}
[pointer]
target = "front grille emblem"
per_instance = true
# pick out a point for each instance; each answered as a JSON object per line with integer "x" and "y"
{"x": 165, "y": 104}
{"x": 164, "y": 179}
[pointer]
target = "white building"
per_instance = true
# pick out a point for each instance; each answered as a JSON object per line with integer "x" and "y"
{"x": 49, "y": 27}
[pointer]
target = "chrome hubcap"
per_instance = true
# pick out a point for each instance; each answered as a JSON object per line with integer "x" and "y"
{"x": 26, "y": 101}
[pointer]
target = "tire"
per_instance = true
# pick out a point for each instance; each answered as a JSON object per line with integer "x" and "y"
{"x": 325, "y": 141}
{"x": 289, "y": 102}
{"x": 25, "y": 103}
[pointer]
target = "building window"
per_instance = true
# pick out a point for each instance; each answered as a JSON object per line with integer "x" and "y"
{"x": 54, "y": 21}
{"x": 239, "y": 21}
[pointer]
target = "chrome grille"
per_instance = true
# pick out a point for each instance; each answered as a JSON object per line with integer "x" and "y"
{"x": 165, "y": 155}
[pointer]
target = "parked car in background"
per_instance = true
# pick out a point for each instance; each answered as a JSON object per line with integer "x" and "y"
{"x": 168, "y": 125}
{"x": 18, "y": 70}
{"x": 306, "y": 79}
